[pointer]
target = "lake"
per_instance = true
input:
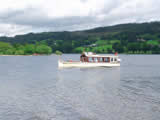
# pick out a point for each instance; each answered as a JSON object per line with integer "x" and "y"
{"x": 33, "y": 88}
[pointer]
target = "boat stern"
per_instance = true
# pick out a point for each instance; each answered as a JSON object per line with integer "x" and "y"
{"x": 60, "y": 63}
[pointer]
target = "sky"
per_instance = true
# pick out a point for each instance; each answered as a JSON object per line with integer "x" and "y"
{"x": 25, "y": 16}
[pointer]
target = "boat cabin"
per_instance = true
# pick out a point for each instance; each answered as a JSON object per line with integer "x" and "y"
{"x": 93, "y": 58}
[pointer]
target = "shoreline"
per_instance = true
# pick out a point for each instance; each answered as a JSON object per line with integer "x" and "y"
{"x": 17, "y": 55}
{"x": 24, "y": 55}
{"x": 78, "y": 53}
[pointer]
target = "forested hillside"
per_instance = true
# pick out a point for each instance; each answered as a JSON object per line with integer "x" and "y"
{"x": 124, "y": 38}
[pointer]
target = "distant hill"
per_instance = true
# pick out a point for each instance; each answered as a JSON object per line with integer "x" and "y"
{"x": 130, "y": 38}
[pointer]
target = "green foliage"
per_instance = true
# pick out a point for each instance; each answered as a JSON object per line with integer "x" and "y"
{"x": 5, "y": 47}
{"x": 118, "y": 47}
{"x": 58, "y": 52}
{"x": 78, "y": 49}
{"x": 114, "y": 41}
{"x": 149, "y": 36}
{"x": 148, "y": 52}
{"x": 101, "y": 42}
{"x": 43, "y": 49}
{"x": 66, "y": 47}
{"x": 19, "y": 52}
{"x": 102, "y": 49}
{"x": 153, "y": 42}
{"x": 9, "y": 52}
{"x": 28, "y": 49}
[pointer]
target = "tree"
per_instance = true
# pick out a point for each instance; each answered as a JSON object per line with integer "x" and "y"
{"x": 58, "y": 52}
{"x": 43, "y": 49}
{"x": 66, "y": 47}
{"x": 19, "y": 52}
{"x": 29, "y": 49}
{"x": 118, "y": 47}
{"x": 4, "y": 47}
{"x": 9, "y": 52}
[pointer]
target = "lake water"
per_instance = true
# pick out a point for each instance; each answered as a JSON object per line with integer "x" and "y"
{"x": 33, "y": 88}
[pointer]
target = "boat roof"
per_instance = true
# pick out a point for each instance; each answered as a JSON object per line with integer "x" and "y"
{"x": 90, "y": 54}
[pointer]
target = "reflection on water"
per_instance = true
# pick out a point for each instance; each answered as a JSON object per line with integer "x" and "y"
{"x": 33, "y": 88}
{"x": 86, "y": 90}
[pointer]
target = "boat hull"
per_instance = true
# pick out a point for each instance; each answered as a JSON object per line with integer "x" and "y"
{"x": 63, "y": 64}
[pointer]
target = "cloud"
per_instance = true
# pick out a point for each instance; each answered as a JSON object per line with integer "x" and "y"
{"x": 58, "y": 15}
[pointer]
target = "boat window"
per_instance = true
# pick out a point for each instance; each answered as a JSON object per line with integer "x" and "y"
{"x": 90, "y": 59}
{"x": 96, "y": 59}
{"x": 100, "y": 59}
{"x": 106, "y": 60}
{"x": 112, "y": 59}
{"x": 115, "y": 59}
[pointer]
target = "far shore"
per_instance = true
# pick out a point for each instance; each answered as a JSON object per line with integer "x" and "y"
{"x": 25, "y": 55}
{"x": 76, "y": 53}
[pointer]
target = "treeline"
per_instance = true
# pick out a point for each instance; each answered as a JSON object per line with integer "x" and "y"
{"x": 143, "y": 38}
{"x": 145, "y": 47}
{"x": 27, "y": 49}
{"x": 112, "y": 46}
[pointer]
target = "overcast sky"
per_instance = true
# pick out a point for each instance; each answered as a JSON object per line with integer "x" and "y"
{"x": 24, "y": 16}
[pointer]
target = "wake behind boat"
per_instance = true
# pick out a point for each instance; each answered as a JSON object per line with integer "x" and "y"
{"x": 89, "y": 59}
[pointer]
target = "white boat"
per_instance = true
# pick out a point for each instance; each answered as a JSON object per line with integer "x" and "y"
{"x": 89, "y": 59}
